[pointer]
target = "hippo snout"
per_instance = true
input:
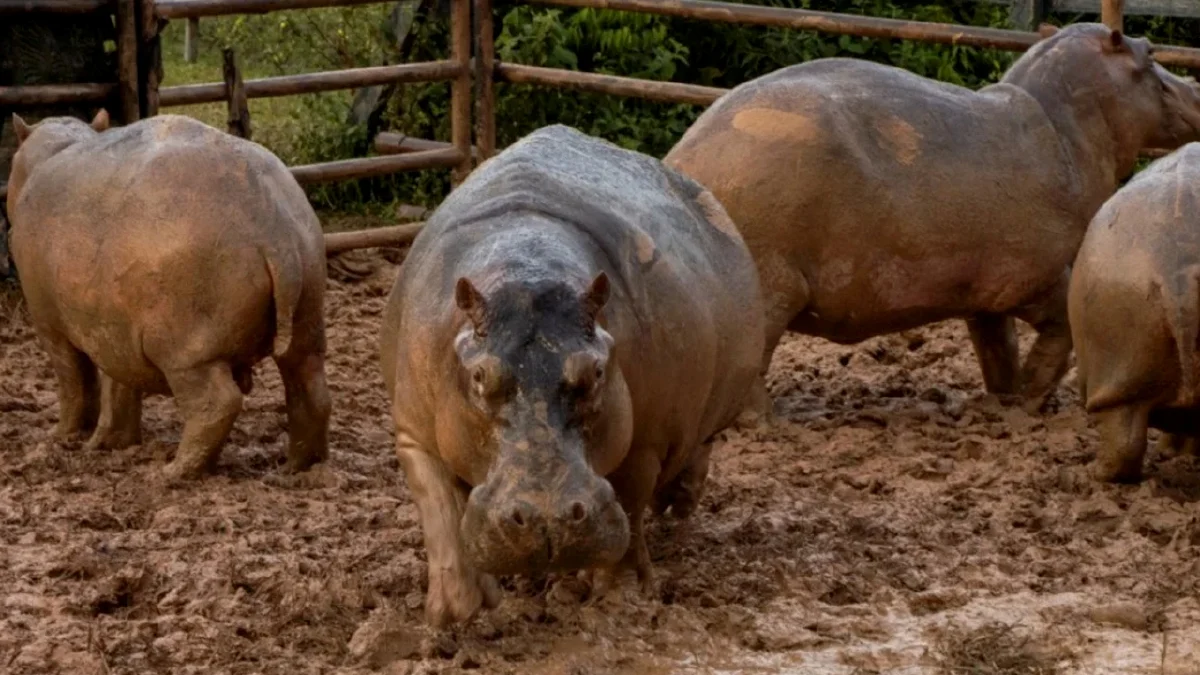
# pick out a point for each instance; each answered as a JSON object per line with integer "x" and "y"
{"x": 514, "y": 525}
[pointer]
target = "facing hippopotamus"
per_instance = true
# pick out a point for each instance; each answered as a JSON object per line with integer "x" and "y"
{"x": 875, "y": 200}
{"x": 571, "y": 327}
{"x": 172, "y": 258}
{"x": 1134, "y": 314}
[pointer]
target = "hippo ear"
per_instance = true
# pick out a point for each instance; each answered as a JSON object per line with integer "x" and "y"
{"x": 1046, "y": 30}
{"x": 595, "y": 297}
{"x": 471, "y": 302}
{"x": 22, "y": 128}
{"x": 100, "y": 121}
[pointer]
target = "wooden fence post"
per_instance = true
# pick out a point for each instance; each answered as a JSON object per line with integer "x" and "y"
{"x": 239, "y": 110}
{"x": 149, "y": 57}
{"x": 1027, "y": 14}
{"x": 127, "y": 61}
{"x": 460, "y": 88}
{"x": 1112, "y": 13}
{"x": 485, "y": 80}
{"x": 191, "y": 39}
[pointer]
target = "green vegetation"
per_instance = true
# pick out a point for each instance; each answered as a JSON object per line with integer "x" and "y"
{"x": 315, "y": 128}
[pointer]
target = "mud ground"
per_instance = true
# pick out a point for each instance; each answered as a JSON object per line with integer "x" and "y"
{"x": 895, "y": 520}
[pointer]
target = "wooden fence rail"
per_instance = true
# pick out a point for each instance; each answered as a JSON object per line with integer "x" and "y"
{"x": 137, "y": 93}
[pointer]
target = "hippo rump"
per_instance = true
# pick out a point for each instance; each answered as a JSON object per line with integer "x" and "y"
{"x": 170, "y": 257}
{"x": 875, "y": 200}
{"x": 569, "y": 330}
{"x": 1134, "y": 305}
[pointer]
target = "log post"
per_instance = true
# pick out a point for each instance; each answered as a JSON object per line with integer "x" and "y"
{"x": 191, "y": 39}
{"x": 1027, "y": 14}
{"x": 1112, "y": 13}
{"x": 485, "y": 80}
{"x": 127, "y": 61}
{"x": 235, "y": 93}
{"x": 460, "y": 88}
{"x": 149, "y": 57}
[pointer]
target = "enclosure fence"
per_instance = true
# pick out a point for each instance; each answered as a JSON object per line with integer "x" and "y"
{"x": 137, "y": 93}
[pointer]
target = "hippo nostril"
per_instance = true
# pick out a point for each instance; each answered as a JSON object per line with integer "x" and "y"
{"x": 518, "y": 518}
{"x": 578, "y": 512}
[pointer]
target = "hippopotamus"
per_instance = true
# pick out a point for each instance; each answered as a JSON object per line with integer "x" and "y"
{"x": 876, "y": 201}
{"x": 168, "y": 257}
{"x": 1135, "y": 321}
{"x": 569, "y": 330}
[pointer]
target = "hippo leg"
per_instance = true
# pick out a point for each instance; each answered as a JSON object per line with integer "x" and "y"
{"x": 682, "y": 495}
{"x": 308, "y": 409}
{"x": 210, "y": 401}
{"x": 120, "y": 416}
{"x": 78, "y": 389}
{"x": 634, "y": 483}
{"x": 1048, "y": 359}
{"x": 456, "y": 590}
{"x": 1122, "y": 443}
{"x": 781, "y": 311}
{"x": 994, "y": 337}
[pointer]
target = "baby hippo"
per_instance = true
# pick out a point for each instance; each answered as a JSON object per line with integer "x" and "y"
{"x": 168, "y": 257}
{"x": 570, "y": 329}
{"x": 1134, "y": 304}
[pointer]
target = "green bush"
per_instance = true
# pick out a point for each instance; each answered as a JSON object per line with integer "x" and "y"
{"x": 637, "y": 45}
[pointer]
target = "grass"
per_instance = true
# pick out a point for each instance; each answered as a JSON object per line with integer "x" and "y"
{"x": 998, "y": 649}
{"x": 299, "y": 129}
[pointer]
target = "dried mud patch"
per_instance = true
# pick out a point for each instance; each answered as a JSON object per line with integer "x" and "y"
{"x": 894, "y": 519}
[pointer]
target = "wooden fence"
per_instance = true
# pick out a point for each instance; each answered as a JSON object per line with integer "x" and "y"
{"x": 137, "y": 93}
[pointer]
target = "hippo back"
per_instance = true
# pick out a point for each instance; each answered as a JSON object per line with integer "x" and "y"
{"x": 682, "y": 279}
{"x": 1135, "y": 282}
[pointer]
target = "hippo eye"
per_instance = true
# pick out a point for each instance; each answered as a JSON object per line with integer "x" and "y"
{"x": 599, "y": 373}
{"x": 477, "y": 376}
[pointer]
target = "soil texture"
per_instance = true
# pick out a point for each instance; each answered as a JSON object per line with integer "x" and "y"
{"x": 894, "y": 519}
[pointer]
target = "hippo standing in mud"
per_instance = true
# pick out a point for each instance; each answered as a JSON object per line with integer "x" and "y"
{"x": 170, "y": 257}
{"x": 875, "y": 200}
{"x": 571, "y": 327}
{"x": 1135, "y": 314}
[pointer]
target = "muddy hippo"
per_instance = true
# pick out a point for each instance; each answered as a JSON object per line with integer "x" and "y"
{"x": 569, "y": 330}
{"x": 168, "y": 257}
{"x": 875, "y": 200}
{"x": 1135, "y": 316}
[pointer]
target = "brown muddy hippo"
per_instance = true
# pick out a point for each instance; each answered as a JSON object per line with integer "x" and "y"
{"x": 569, "y": 330}
{"x": 875, "y": 200}
{"x": 170, "y": 257}
{"x": 1134, "y": 305}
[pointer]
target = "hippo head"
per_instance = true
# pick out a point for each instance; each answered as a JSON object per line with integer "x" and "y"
{"x": 1142, "y": 104}
{"x": 535, "y": 363}
{"x": 39, "y": 142}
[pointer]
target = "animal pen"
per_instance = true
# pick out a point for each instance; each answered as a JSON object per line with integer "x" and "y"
{"x": 472, "y": 70}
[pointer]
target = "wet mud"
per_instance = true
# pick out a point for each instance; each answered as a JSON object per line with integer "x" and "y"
{"x": 895, "y": 519}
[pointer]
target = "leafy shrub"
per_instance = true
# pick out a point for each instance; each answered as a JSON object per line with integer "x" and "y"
{"x": 637, "y": 45}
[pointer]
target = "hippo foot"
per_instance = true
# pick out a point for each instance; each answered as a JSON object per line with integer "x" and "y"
{"x": 1108, "y": 472}
{"x": 603, "y": 580}
{"x": 296, "y": 465}
{"x": 455, "y": 597}
{"x": 180, "y": 470}
{"x": 110, "y": 439}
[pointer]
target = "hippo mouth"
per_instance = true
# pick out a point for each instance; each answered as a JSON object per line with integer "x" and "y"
{"x": 521, "y": 539}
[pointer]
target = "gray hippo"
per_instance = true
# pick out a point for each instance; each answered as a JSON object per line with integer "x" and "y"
{"x": 1134, "y": 306}
{"x": 569, "y": 330}
{"x": 170, "y": 257}
{"x": 875, "y": 200}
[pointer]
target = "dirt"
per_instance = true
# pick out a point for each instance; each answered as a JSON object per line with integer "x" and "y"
{"x": 895, "y": 520}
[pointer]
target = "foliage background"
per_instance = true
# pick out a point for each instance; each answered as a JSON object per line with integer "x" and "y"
{"x": 315, "y": 128}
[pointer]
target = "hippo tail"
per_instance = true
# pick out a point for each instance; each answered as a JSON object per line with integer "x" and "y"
{"x": 1184, "y": 321}
{"x": 286, "y": 289}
